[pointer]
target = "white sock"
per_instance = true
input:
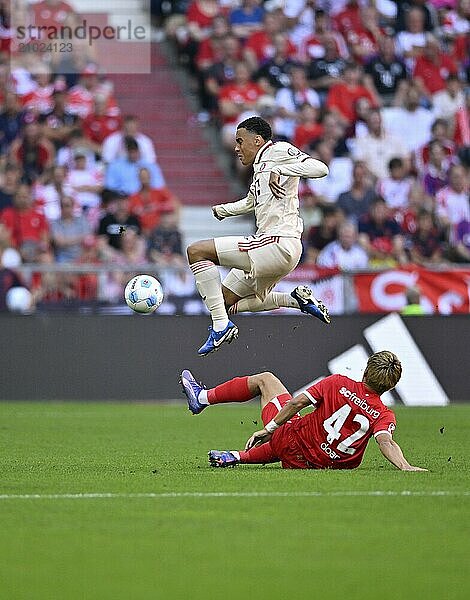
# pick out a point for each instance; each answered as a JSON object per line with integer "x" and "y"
{"x": 202, "y": 398}
{"x": 272, "y": 301}
{"x": 209, "y": 286}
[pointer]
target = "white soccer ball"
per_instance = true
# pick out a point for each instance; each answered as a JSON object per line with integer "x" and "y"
{"x": 19, "y": 300}
{"x": 143, "y": 294}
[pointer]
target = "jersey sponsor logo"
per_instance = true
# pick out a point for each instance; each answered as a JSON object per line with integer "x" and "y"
{"x": 328, "y": 450}
{"x": 293, "y": 152}
{"x": 362, "y": 404}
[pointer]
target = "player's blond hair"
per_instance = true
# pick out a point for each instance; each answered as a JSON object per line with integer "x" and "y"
{"x": 383, "y": 371}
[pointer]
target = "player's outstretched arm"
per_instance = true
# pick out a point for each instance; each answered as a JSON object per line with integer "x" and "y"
{"x": 232, "y": 209}
{"x": 290, "y": 409}
{"x": 302, "y": 165}
{"x": 392, "y": 452}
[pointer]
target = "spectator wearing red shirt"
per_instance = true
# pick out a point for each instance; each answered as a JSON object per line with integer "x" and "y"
{"x": 220, "y": 73}
{"x": 342, "y": 97}
{"x": 314, "y": 46}
{"x": 259, "y": 47}
{"x": 364, "y": 41}
{"x": 348, "y": 19}
{"x": 26, "y": 224}
{"x": 50, "y": 13}
{"x": 81, "y": 97}
{"x": 40, "y": 99}
{"x": 426, "y": 245}
{"x": 149, "y": 204}
{"x": 439, "y": 133}
{"x": 235, "y": 99}
{"x": 308, "y": 129}
{"x": 199, "y": 19}
{"x": 210, "y": 50}
{"x": 433, "y": 67}
{"x": 99, "y": 124}
{"x": 32, "y": 151}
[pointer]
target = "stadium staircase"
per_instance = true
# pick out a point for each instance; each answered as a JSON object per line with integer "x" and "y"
{"x": 190, "y": 159}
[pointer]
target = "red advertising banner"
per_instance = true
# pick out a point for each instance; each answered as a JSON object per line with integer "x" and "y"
{"x": 443, "y": 292}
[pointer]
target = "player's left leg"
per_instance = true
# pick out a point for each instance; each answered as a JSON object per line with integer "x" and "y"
{"x": 238, "y": 389}
{"x": 270, "y": 263}
{"x": 301, "y": 298}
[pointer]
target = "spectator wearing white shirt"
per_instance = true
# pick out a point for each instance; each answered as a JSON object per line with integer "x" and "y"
{"x": 290, "y": 99}
{"x": 345, "y": 253}
{"x": 452, "y": 201}
{"x": 49, "y": 194}
{"x": 339, "y": 178}
{"x": 84, "y": 183}
{"x": 395, "y": 188}
{"x": 379, "y": 146}
{"x": 410, "y": 43}
{"x": 411, "y": 123}
{"x": 448, "y": 101}
{"x": 114, "y": 146}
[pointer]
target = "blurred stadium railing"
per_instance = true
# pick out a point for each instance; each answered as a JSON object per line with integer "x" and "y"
{"x": 98, "y": 288}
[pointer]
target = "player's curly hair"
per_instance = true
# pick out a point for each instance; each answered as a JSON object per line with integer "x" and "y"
{"x": 258, "y": 126}
{"x": 383, "y": 371}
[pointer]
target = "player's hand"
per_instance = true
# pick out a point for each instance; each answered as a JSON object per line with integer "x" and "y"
{"x": 276, "y": 188}
{"x": 411, "y": 468}
{"x": 258, "y": 438}
{"x": 214, "y": 212}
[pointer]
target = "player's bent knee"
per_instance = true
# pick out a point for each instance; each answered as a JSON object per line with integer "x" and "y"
{"x": 266, "y": 378}
{"x": 195, "y": 252}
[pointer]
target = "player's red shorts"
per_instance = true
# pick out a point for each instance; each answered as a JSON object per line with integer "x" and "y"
{"x": 283, "y": 442}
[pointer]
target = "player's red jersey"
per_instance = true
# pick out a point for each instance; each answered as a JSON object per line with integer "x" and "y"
{"x": 335, "y": 435}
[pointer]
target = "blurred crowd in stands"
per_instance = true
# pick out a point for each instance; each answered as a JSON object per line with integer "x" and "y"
{"x": 378, "y": 90}
{"x": 79, "y": 182}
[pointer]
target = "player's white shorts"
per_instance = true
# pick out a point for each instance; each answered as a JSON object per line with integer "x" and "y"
{"x": 258, "y": 262}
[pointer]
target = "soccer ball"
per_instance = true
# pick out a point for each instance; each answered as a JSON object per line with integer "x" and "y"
{"x": 143, "y": 294}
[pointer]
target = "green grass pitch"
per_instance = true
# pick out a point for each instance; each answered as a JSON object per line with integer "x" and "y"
{"x": 322, "y": 536}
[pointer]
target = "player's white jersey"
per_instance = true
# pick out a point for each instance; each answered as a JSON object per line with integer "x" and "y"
{"x": 276, "y": 216}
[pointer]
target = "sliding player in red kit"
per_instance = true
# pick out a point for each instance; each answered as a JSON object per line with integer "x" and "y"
{"x": 346, "y": 415}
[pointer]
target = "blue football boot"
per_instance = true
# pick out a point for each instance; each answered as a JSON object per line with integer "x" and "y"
{"x": 222, "y": 458}
{"x": 192, "y": 389}
{"x": 217, "y": 338}
{"x": 309, "y": 304}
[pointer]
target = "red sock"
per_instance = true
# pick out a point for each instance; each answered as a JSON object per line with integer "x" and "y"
{"x": 235, "y": 390}
{"x": 258, "y": 455}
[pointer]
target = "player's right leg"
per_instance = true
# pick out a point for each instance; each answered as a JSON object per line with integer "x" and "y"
{"x": 238, "y": 389}
{"x": 203, "y": 261}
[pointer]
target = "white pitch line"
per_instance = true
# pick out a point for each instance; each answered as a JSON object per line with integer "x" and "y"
{"x": 112, "y": 495}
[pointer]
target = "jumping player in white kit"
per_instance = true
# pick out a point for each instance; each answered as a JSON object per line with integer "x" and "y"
{"x": 257, "y": 262}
